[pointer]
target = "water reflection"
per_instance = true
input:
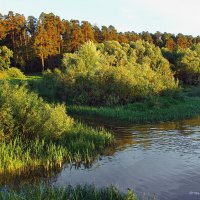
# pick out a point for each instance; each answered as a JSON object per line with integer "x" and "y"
{"x": 159, "y": 158}
{"x": 154, "y": 158}
{"x": 27, "y": 176}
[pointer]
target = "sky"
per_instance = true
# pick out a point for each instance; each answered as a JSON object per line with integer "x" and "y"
{"x": 173, "y": 16}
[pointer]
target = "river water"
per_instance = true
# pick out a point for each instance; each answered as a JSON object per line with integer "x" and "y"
{"x": 161, "y": 160}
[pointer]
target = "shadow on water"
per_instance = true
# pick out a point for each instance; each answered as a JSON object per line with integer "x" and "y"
{"x": 28, "y": 176}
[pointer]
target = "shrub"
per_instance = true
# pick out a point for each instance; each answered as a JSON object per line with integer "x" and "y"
{"x": 3, "y": 75}
{"x": 110, "y": 74}
{"x": 28, "y": 115}
{"x": 5, "y": 56}
{"x": 14, "y": 73}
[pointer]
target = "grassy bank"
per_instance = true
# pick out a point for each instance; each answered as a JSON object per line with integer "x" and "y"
{"x": 177, "y": 105}
{"x": 71, "y": 193}
{"x": 80, "y": 145}
{"x": 35, "y": 134}
{"x": 153, "y": 110}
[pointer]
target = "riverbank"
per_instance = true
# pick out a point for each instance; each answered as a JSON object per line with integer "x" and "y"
{"x": 175, "y": 106}
{"x": 80, "y": 145}
{"x": 36, "y": 134}
{"x": 158, "y": 109}
{"x": 71, "y": 193}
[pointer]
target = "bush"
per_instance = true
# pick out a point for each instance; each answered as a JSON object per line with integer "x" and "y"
{"x": 110, "y": 74}
{"x": 14, "y": 73}
{"x": 3, "y": 75}
{"x": 5, "y": 56}
{"x": 28, "y": 115}
{"x": 11, "y": 73}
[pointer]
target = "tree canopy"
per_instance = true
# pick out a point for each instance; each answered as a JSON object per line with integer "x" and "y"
{"x": 40, "y": 43}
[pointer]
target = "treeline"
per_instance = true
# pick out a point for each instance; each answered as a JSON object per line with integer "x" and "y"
{"x": 38, "y": 44}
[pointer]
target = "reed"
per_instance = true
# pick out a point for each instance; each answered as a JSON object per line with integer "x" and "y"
{"x": 34, "y": 133}
{"x": 86, "y": 192}
{"x": 80, "y": 145}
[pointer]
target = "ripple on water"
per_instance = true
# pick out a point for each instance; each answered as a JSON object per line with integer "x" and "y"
{"x": 161, "y": 159}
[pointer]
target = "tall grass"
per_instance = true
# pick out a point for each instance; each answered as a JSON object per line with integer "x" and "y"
{"x": 34, "y": 133}
{"x": 43, "y": 192}
{"x": 156, "y": 110}
{"x": 80, "y": 145}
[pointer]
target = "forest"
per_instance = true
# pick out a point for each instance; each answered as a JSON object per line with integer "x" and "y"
{"x": 53, "y": 71}
{"x": 39, "y": 44}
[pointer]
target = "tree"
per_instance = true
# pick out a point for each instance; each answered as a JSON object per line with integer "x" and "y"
{"x": 2, "y": 28}
{"x": 181, "y": 41}
{"x": 112, "y": 73}
{"x": 146, "y": 36}
{"x": 66, "y": 36}
{"x": 76, "y": 36}
{"x": 132, "y": 36}
{"x": 42, "y": 44}
{"x": 157, "y": 39}
{"x": 87, "y": 30}
{"x": 122, "y": 38}
{"x": 170, "y": 44}
{"x": 189, "y": 66}
{"x": 98, "y": 34}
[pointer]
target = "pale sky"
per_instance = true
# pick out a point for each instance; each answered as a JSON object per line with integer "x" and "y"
{"x": 174, "y": 16}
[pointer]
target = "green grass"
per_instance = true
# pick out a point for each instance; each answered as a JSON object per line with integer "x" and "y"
{"x": 34, "y": 133}
{"x": 26, "y": 79}
{"x": 176, "y": 106}
{"x": 44, "y": 192}
{"x": 80, "y": 145}
{"x": 154, "y": 110}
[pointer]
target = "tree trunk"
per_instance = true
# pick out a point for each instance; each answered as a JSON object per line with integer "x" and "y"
{"x": 42, "y": 58}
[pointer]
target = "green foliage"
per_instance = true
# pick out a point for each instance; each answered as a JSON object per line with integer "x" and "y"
{"x": 47, "y": 86}
{"x": 87, "y": 61}
{"x": 5, "y": 56}
{"x": 78, "y": 145}
{"x": 34, "y": 133}
{"x": 14, "y": 73}
{"x": 110, "y": 74}
{"x": 20, "y": 155}
{"x": 189, "y": 65}
{"x": 26, "y": 114}
{"x": 83, "y": 142}
{"x": 71, "y": 193}
{"x": 154, "y": 110}
{"x": 185, "y": 63}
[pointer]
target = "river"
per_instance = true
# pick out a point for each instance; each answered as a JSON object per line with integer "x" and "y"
{"x": 161, "y": 160}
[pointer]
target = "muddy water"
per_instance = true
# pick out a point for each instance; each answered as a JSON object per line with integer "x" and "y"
{"x": 161, "y": 159}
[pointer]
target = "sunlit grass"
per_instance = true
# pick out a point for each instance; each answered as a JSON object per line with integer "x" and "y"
{"x": 80, "y": 145}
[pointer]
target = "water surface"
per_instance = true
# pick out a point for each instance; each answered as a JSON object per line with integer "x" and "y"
{"x": 161, "y": 159}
